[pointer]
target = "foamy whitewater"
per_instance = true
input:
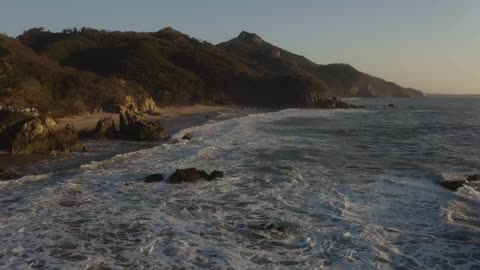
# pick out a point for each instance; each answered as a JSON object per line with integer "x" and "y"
{"x": 354, "y": 189}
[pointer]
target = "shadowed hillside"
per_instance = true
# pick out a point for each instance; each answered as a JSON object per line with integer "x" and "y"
{"x": 30, "y": 80}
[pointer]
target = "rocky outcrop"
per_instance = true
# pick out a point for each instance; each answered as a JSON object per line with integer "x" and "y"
{"x": 105, "y": 129}
{"x": 39, "y": 135}
{"x": 131, "y": 128}
{"x": 141, "y": 104}
{"x": 6, "y": 174}
{"x": 147, "y": 105}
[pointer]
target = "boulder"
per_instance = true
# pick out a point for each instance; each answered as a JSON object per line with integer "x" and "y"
{"x": 453, "y": 185}
{"x": 187, "y": 136}
{"x": 131, "y": 128}
{"x": 176, "y": 141}
{"x": 187, "y": 175}
{"x": 215, "y": 174}
{"x": 473, "y": 178}
{"x": 154, "y": 178}
{"x": 105, "y": 129}
{"x": 6, "y": 174}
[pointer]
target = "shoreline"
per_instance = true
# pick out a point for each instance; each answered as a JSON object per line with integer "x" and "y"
{"x": 89, "y": 121}
{"x": 174, "y": 119}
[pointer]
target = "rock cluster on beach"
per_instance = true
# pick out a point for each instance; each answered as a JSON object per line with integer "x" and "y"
{"x": 130, "y": 128}
{"x": 22, "y": 134}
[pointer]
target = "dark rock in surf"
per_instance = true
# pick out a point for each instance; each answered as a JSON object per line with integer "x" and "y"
{"x": 187, "y": 175}
{"x": 215, "y": 174}
{"x": 331, "y": 103}
{"x": 390, "y": 106}
{"x": 187, "y": 136}
{"x": 453, "y": 185}
{"x": 473, "y": 178}
{"x": 105, "y": 129}
{"x": 6, "y": 174}
{"x": 154, "y": 178}
{"x": 176, "y": 141}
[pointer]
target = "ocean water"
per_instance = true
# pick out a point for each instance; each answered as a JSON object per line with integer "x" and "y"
{"x": 352, "y": 189}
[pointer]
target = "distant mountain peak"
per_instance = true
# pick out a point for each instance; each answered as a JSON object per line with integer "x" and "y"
{"x": 169, "y": 30}
{"x": 251, "y": 37}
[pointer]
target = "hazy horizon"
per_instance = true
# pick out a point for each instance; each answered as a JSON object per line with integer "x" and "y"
{"x": 428, "y": 45}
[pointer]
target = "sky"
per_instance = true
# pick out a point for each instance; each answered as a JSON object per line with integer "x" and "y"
{"x": 430, "y": 45}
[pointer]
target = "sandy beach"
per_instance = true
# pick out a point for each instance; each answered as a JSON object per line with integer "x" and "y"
{"x": 89, "y": 121}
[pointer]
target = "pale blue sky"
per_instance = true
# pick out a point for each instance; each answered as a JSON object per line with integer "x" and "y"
{"x": 432, "y": 45}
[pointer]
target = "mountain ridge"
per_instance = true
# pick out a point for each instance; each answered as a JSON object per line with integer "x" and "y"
{"x": 176, "y": 69}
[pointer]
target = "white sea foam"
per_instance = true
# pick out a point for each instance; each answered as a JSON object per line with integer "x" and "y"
{"x": 24, "y": 180}
{"x": 339, "y": 211}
